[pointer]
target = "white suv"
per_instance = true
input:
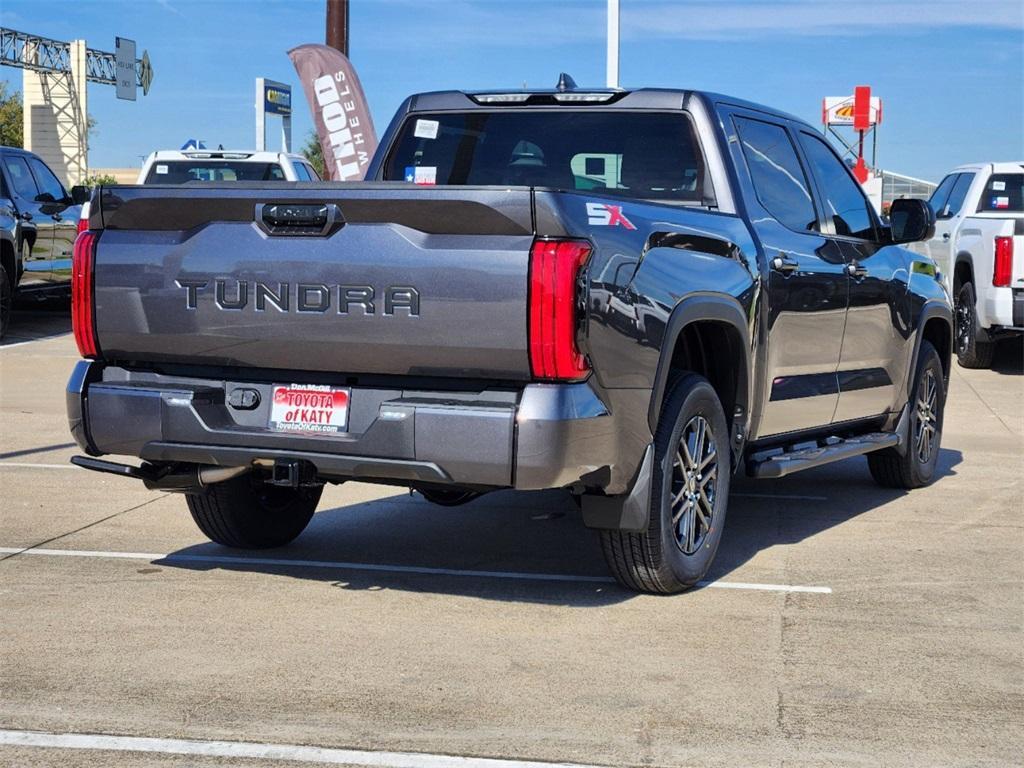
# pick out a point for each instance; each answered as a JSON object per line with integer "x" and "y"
{"x": 173, "y": 166}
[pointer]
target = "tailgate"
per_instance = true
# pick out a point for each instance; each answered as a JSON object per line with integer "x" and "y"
{"x": 403, "y": 281}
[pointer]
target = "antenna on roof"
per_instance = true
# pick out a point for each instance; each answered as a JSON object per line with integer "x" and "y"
{"x": 565, "y": 83}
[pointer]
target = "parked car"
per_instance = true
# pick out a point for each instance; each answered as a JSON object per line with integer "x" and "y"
{"x": 979, "y": 248}
{"x": 439, "y": 333}
{"x": 173, "y": 166}
{"x": 39, "y": 221}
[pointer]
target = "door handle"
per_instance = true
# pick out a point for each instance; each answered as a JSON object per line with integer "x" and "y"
{"x": 782, "y": 263}
{"x": 945, "y": 237}
{"x": 26, "y": 216}
{"x": 853, "y": 269}
{"x": 57, "y": 217}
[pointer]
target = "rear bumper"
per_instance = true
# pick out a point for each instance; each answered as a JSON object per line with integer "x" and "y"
{"x": 538, "y": 436}
{"x": 1001, "y": 308}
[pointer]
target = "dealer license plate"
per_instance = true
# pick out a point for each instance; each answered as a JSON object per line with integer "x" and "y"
{"x": 309, "y": 408}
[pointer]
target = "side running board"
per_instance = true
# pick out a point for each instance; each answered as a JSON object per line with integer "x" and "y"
{"x": 782, "y": 462}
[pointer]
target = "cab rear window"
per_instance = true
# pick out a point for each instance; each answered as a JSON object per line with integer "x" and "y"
{"x": 1004, "y": 192}
{"x": 184, "y": 171}
{"x": 628, "y": 154}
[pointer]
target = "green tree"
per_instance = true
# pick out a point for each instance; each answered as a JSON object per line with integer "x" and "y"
{"x": 104, "y": 179}
{"x": 314, "y": 152}
{"x": 11, "y": 124}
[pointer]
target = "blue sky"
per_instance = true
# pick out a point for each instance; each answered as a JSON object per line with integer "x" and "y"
{"x": 951, "y": 74}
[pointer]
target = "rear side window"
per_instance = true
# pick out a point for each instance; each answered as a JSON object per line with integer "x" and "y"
{"x": 300, "y": 171}
{"x": 21, "y": 178}
{"x": 957, "y": 195}
{"x": 184, "y": 171}
{"x": 646, "y": 155}
{"x": 941, "y": 194}
{"x": 1003, "y": 192}
{"x": 47, "y": 182}
{"x": 845, "y": 203}
{"x": 779, "y": 181}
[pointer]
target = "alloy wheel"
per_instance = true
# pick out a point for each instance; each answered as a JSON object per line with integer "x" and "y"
{"x": 926, "y": 433}
{"x": 964, "y": 326}
{"x": 694, "y": 472}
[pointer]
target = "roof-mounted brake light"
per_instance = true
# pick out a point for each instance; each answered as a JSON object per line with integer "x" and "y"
{"x": 501, "y": 98}
{"x": 577, "y": 97}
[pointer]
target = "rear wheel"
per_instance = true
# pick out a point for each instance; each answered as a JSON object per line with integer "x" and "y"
{"x": 448, "y": 498}
{"x": 970, "y": 352}
{"x": 916, "y": 467}
{"x": 6, "y": 300}
{"x": 689, "y": 496}
{"x": 246, "y": 513}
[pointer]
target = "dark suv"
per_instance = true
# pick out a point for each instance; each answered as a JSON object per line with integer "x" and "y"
{"x": 38, "y": 224}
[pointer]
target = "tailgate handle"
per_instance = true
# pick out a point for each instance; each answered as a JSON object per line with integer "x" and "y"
{"x": 309, "y": 219}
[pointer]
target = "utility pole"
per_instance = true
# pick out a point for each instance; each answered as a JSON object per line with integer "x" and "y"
{"x": 337, "y": 25}
{"x": 613, "y": 44}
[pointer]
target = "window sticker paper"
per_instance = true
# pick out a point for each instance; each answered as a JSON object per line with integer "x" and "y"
{"x": 426, "y": 129}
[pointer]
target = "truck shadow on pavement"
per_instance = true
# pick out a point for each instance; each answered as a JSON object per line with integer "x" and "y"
{"x": 1009, "y": 357}
{"x": 520, "y": 534}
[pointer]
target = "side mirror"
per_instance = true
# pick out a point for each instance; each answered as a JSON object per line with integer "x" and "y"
{"x": 80, "y": 194}
{"x": 911, "y": 221}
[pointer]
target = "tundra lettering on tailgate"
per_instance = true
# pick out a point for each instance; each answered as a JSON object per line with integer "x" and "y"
{"x": 304, "y": 297}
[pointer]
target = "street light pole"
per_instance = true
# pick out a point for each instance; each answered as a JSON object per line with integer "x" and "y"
{"x": 337, "y": 25}
{"x": 613, "y": 44}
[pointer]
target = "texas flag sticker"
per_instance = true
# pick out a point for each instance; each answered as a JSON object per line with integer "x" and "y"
{"x": 417, "y": 174}
{"x": 1001, "y": 201}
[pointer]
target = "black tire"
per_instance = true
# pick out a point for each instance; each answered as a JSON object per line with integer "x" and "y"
{"x": 970, "y": 352}
{"x": 444, "y": 497}
{"x": 246, "y": 513}
{"x": 657, "y": 560}
{"x": 913, "y": 469}
{"x": 6, "y": 300}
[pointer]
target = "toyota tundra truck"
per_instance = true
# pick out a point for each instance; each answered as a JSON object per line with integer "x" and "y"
{"x": 628, "y": 294}
{"x": 978, "y": 247}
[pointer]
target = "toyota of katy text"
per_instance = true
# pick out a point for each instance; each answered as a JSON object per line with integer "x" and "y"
{"x": 631, "y": 295}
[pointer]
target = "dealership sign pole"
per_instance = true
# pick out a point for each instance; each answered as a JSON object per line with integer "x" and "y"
{"x": 273, "y": 98}
{"x": 613, "y": 44}
{"x": 863, "y": 113}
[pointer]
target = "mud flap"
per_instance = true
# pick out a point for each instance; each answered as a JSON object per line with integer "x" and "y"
{"x": 628, "y": 511}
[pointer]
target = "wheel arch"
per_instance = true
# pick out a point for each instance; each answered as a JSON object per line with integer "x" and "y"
{"x": 935, "y": 325}
{"x": 700, "y": 325}
{"x": 963, "y": 271}
{"x": 9, "y": 259}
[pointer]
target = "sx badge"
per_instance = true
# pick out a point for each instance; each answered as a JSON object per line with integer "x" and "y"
{"x": 604, "y": 215}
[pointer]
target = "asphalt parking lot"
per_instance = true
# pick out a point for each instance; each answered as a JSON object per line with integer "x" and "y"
{"x": 843, "y": 624}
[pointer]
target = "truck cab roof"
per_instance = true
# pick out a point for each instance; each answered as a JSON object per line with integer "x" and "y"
{"x": 605, "y": 98}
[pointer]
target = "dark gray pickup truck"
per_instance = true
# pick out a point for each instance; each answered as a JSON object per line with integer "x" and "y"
{"x": 627, "y": 294}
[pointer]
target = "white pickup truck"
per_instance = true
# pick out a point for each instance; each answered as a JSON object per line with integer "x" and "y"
{"x": 979, "y": 249}
{"x": 172, "y": 166}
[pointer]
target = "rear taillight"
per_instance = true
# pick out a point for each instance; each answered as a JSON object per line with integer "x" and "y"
{"x": 1002, "y": 271}
{"x": 83, "y": 318}
{"x": 83, "y": 220}
{"x": 554, "y": 270}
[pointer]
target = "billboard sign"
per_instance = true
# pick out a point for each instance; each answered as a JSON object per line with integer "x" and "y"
{"x": 277, "y": 98}
{"x": 124, "y": 67}
{"x": 841, "y": 110}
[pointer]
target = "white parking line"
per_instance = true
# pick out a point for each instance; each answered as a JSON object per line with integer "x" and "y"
{"x": 257, "y": 751}
{"x": 33, "y": 339}
{"x": 380, "y": 568}
{"x": 784, "y": 496}
{"x": 741, "y": 495}
{"x": 25, "y": 465}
